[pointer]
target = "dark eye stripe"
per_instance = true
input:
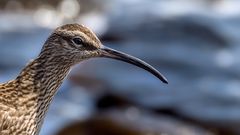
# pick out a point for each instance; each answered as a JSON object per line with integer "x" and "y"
{"x": 77, "y": 41}
{"x": 87, "y": 46}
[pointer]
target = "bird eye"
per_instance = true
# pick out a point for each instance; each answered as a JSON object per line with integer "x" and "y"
{"x": 78, "y": 41}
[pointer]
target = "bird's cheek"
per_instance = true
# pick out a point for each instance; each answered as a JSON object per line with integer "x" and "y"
{"x": 89, "y": 54}
{"x": 84, "y": 55}
{"x": 80, "y": 56}
{"x": 95, "y": 54}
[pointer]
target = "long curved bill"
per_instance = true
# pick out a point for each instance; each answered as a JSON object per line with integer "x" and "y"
{"x": 111, "y": 53}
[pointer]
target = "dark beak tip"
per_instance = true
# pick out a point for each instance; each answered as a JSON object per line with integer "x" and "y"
{"x": 111, "y": 53}
{"x": 165, "y": 81}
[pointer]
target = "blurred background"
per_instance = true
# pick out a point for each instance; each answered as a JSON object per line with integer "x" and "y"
{"x": 194, "y": 43}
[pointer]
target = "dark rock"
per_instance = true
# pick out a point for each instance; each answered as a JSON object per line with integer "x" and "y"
{"x": 113, "y": 101}
{"x": 183, "y": 28}
{"x": 98, "y": 126}
{"x": 131, "y": 122}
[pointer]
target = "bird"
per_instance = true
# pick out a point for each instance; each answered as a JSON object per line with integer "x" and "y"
{"x": 24, "y": 101}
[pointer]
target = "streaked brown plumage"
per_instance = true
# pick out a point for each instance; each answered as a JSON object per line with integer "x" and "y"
{"x": 24, "y": 101}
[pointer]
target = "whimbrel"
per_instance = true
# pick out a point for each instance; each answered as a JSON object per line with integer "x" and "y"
{"x": 24, "y": 101}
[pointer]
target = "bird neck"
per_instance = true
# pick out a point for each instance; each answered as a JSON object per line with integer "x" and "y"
{"x": 42, "y": 77}
{"x": 37, "y": 85}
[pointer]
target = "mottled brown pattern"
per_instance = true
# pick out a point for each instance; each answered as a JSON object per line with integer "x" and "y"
{"x": 25, "y": 100}
{"x": 81, "y": 28}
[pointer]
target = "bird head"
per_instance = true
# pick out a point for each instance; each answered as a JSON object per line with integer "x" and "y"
{"x": 73, "y": 43}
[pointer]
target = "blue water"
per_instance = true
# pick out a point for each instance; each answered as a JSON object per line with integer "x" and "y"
{"x": 203, "y": 71}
